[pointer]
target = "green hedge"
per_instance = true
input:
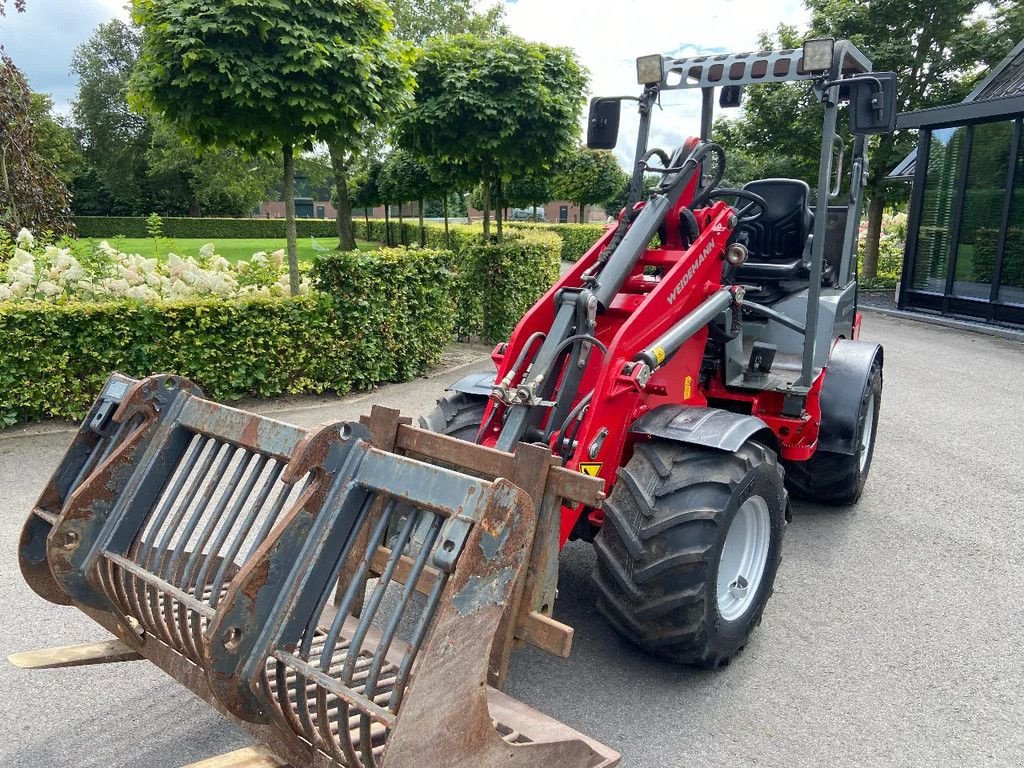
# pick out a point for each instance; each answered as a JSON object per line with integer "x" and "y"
{"x": 383, "y": 317}
{"x": 498, "y": 283}
{"x": 215, "y": 229}
{"x": 576, "y": 238}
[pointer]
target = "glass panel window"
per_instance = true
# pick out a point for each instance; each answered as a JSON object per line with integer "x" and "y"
{"x": 1011, "y": 286}
{"x": 933, "y": 239}
{"x": 982, "y": 214}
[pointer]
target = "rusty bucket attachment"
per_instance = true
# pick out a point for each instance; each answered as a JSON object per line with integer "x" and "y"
{"x": 347, "y": 594}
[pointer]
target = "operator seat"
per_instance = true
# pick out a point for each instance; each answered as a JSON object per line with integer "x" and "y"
{"x": 779, "y": 242}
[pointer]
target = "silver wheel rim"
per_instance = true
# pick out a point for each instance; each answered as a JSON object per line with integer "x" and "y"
{"x": 865, "y": 436}
{"x": 744, "y": 555}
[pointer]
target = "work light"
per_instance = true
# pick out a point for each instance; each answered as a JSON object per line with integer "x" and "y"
{"x": 818, "y": 54}
{"x": 649, "y": 69}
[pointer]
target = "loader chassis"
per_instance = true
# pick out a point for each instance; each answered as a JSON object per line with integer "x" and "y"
{"x": 707, "y": 318}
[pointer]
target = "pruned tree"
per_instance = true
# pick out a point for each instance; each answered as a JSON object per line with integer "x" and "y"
{"x": 32, "y": 196}
{"x": 364, "y": 191}
{"x": 529, "y": 191}
{"x": 268, "y": 73}
{"x": 419, "y": 20}
{"x": 500, "y": 106}
{"x": 588, "y": 177}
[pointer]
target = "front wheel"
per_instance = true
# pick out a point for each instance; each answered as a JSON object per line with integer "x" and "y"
{"x": 839, "y": 478}
{"x": 691, "y": 542}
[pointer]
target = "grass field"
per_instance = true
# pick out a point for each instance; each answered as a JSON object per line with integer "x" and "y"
{"x": 232, "y": 250}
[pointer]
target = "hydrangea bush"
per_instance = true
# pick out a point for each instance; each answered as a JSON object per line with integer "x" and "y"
{"x": 69, "y": 272}
{"x": 890, "y": 249}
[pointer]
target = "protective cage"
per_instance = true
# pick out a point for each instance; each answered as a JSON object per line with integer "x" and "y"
{"x": 346, "y": 603}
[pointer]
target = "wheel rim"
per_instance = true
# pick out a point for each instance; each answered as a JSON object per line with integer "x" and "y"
{"x": 744, "y": 555}
{"x": 866, "y": 434}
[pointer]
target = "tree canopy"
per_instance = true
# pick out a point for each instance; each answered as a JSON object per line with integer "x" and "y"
{"x": 501, "y": 106}
{"x": 588, "y": 177}
{"x": 32, "y": 195}
{"x": 419, "y": 20}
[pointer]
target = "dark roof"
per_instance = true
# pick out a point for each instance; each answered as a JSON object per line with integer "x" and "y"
{"x": 1000, "y": 93}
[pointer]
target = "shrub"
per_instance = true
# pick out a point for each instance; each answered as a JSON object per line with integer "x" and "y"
{"x": 984, "y": 261}
{"x": 76, "y": 272}
{"x": 499, "y": 283}
{"x": 399, "y": 307}
{"x": 214, "y": 229}
{"x": 890, "y": 250}
{"x": 383, "y": 316}
{"x": 576, "y": 238}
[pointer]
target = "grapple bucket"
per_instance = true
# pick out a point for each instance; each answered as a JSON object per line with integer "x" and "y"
{"x": 348, "y": 594}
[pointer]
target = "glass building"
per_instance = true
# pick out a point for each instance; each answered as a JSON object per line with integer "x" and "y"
{"x": 965, "y": 235}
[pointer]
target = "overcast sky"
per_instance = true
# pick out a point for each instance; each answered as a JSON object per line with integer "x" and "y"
{"x": 608, "y": 35}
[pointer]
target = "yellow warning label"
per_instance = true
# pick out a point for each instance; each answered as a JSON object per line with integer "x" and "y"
{"x": 688, "y": 388}
{"x": 659, "y": 355}
{"x": 591, "y": 468}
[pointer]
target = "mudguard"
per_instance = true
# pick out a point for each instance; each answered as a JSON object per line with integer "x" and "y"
{"x": 849, "y": 367}
{"x": 709, "y": 427}
{"x": 479, "y": 383}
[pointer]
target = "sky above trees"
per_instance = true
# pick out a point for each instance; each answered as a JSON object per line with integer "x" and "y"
{"x": 608, "y": 35}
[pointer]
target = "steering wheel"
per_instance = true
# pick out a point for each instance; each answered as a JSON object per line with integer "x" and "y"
{"x": 755, "y": 203}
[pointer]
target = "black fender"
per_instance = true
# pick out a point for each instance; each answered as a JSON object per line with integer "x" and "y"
{"x": 708, "y": 427}
{"x": 849, "y": 366}
{"x": 479, "y": 383}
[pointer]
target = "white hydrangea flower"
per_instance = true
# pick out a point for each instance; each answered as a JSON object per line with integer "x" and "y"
{"x": 25, "y": 239}
{"x": 48, "y": 288}
{"x": 207, "y": 251}
{"x": 260, "y": 259}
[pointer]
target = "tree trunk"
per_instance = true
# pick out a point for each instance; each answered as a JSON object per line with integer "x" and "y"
{"x": 194, "y": 209}
{"x": 447, "y": 237}
{"x": 401, "y": 225}
{"x": 387, "y": 224}
{"x": 583, "y": 208}
{"x": 498, "y": 208}
{"x": 487, "y": 210}
{"x": 423, "y": 231}
{"x": 343, "y": 216}
{"x": 535, "y": 213}
{"x": 869, "y": 259}
{"x": 366, "y": 218}
{"x": 290, "y": 230}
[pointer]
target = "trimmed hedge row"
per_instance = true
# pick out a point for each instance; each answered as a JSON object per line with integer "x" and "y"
{"x": 215, "y": 229}
{"x": 376, "y": 317}
{"x": 383, "y": 317}
{"x": 576, "y": 239}
{"x": 498, "y": 283}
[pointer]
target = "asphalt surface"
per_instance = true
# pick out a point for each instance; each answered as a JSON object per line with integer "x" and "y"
{"x": 893, "y": 637}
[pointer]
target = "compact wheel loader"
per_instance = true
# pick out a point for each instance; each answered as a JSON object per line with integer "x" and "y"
{"x": 351, "y": 594}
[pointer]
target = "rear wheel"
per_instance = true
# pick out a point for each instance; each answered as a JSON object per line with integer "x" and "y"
{"x": 839, "y": 478}
{"x": 456, "y": 415}
{"x": 691, "y": 542}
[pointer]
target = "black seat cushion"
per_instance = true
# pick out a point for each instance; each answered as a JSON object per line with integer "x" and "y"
{"x": 780, "y": 235}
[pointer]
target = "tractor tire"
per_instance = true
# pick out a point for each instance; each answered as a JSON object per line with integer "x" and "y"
{"x": 838, "y": 479}
{"x": 691, "y": 542}
{"x": 456, "y": 415}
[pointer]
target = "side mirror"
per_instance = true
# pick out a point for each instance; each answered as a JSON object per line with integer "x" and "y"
{"x": 603, "y": 124}
{"x": 730, "y": 97}
{"x": 872, "y": 110}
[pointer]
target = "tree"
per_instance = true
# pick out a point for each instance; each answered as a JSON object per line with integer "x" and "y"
{"x": 212, "y": 182}
{"x": 114, "y": 139}
{"x": 267, "y": 73}
{"x": 614, "y": 205}
{"x": 55, "y": 141}
{"x": 938, "y": 52}
{"x": 365, "y": 190}
{"x": 528, "y": 191}
{"x": 32, "y": 195}
{"x": 501, "y": 106}
{"x": 588, "y": 177}
{"x": 419, "y": 20}
{"x": 19, "y": 6}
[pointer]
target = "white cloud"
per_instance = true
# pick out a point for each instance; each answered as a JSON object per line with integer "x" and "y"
{"x": 608, "y": 36}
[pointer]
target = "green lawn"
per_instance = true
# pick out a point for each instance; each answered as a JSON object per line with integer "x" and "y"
{"x": 232, "y": 250}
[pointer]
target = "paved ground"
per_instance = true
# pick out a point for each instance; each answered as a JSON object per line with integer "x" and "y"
{"x": 892, "y": 638}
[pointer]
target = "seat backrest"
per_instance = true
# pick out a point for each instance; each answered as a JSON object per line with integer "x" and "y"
{"x": 780, "y": 235}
